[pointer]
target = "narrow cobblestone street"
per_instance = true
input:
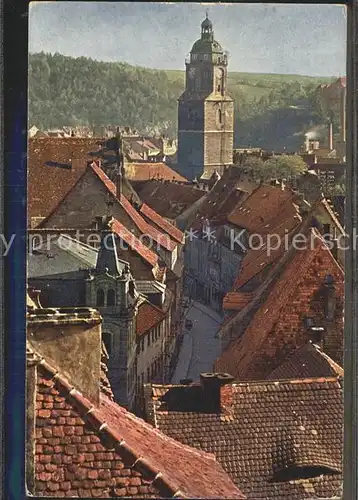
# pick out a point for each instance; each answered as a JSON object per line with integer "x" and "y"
{"x": 200, "y": 348}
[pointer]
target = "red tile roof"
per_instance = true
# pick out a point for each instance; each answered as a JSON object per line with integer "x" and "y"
{"x": 146, "y": 229}
{"x": 235, "y": 301}
{"x": 134, "y": 243}
{"x": 47, "y": 185}
{"x": 222, "y": 199}
{"x": 267, "y": 210}
{"x": 255, "y": 261}
{"x": 263, "y": 428}
{"x": 148, "y": 317}
{"x": 105, "y": 451}
{"x": 279, "y": 310}
{"x": 152, "y": 170}
{"x": 169, "y": 199}
{"x": 306, "y": 362}
{"x": 163, "y": 224}
{"x": 258, "y": 259}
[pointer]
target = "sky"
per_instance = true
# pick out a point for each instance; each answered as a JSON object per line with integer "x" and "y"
{"x": 263, "y": 38}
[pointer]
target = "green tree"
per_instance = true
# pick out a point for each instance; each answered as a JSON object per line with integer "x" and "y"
{"x": 285, "y": 166}
{"x": 277, "y": 167}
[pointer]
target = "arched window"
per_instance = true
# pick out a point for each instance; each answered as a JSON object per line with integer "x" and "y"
{"x": 100, "y": 297}
{"x": 111, "y": 297}
{"x": 220, "y": 117}
{"x": 107, "y": 340}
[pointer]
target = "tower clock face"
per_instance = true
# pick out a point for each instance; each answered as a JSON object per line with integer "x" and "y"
{"x": 191, "y": 72}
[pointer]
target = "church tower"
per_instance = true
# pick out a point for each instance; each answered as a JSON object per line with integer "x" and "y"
{"x": 111, "y": 289}
{"x": 205, "y": 110}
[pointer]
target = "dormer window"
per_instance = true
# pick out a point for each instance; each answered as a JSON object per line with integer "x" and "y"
{"x": 296, "y": 473}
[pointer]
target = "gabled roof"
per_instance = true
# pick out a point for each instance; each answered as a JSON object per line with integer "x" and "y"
{"x": 142, "y": 171}
{"x": 222, "y": 199}
{"x": 64, "y": 255}
{"x": 169, "y": 199}
{"x": 134, "y": 243}
{"x": 306, "y": 362}
{"x": 142, "y": 225}
{"x": 163, "y": 224}
{"x": 105, "y": 451}
{"x": 49, "y": 184}
{"x": 268, "y": 209}
{"x": 243, "y": 358}
{"x": 148, "y": 317}
{"x": 264, "y": 429}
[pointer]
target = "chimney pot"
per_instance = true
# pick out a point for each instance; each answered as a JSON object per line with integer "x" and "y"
{"x": 211, "y": 384}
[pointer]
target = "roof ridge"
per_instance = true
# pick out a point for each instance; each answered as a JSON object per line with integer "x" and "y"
{"x": 79, "y": 242}
{"x": 135, "y": 244}
{"x": 308, "y": 380}
{"x": 277, "y": 271}
{"x": 90, "y": 414}
{"x": 175, "y": 232}
{"x": 269, "y": 289}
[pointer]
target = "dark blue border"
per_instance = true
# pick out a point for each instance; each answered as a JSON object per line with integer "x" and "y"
{"x": 15, "y": 49}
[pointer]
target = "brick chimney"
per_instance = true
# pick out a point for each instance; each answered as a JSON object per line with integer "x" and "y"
{"x": 211, "y": 384}
{"x": 70, "y": 339}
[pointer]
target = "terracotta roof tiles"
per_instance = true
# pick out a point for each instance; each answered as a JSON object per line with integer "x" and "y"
{"x": 146, "y": 229}
{"x": 267, "y": 210}
{"x": 169, "y": 199}
{"x": 134, "y": 243}
{"x": 48, "y": 185}
{"x": 305, "y": 362}
{"x": 278, "y": 312}
{"x": 268, "y": 435}
{"x": 163, "y": 224}
{"x": 142, "y": 171}
{"x": 235, "y": 301}
{"x": 148, "y": 317}
{"x": 105, "y": 451}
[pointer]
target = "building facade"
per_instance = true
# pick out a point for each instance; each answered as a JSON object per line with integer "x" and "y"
{"x": 205, "y": 109}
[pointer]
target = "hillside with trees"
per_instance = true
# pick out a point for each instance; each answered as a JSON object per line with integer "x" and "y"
{"x": 271, "y": 111}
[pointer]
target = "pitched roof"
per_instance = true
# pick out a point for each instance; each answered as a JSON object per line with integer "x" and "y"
{"x": 235, "y": 301}
{"x": 146, "y": 229}
{"x": 257, "y": 259}
{"x": 268, "y": 209}
{"x": 306, "y": 362}
{"x": 222, "y": 199}
{"x": 264, "y": 430}
{"x": 88, "y": 451}
{"x": 148, "y": 317}
{"x": 168, "y": 198}
{"x": 243, "y": 358}
{"x": 163, "y": 224}
{"x": 48, "y": 179}
{"x": 134, "y": 243}
{"x": 142, "y": 171}
{"x": 60, "y": 254}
